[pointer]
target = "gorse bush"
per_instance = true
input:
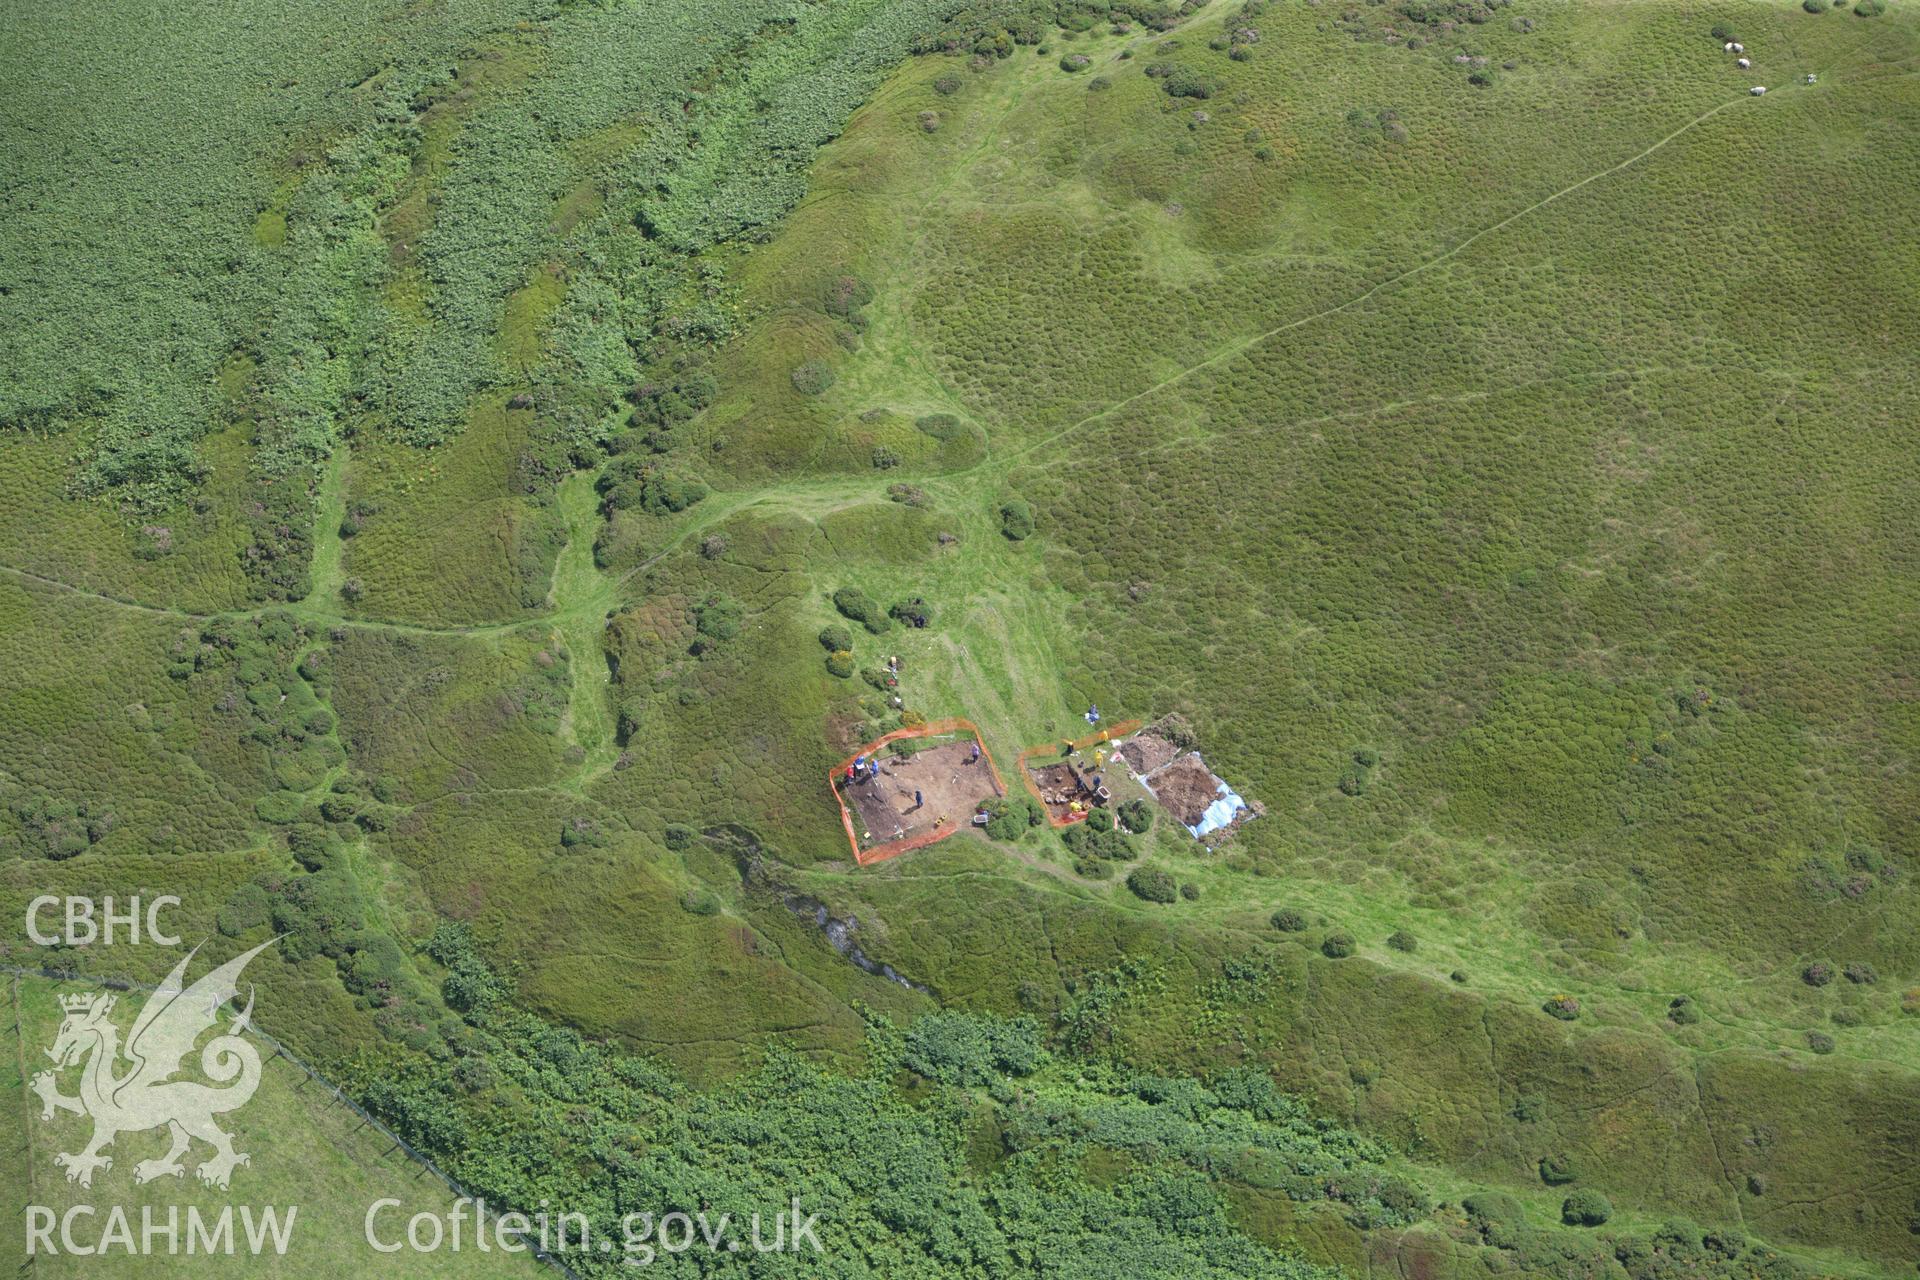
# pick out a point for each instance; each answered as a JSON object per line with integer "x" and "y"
{"x": 1091, "y": 868}
{"x": 913, "y": 613}
{"x": 582, "y": 833}
{"x": 1152, "y": 884}
{"x": 1011, "y": 817}
{"x": 1557, "y": 1170}
{"x": 1586, "y": 1208}
{"x": 58, "y": 829}
{"x": 857, "y": 606}
{"x": 719, "y": 617}
{"x": 1183, "y": 82}
{"x": 660, "y": 407}
{"x": 1098, "y": 838}
{"x": 811, "y": 377}
{"x": 1489, "y": 1207}
{"x": 634, "y": 483}
{"x": 1016, "y": 520}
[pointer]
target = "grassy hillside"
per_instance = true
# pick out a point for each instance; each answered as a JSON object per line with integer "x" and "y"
{"x": 1536, "y": 502}
{"x": 1488, "y": 427}
{"x": 305, "y": 1151}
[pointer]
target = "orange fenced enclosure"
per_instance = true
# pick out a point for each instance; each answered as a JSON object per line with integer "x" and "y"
{"x": 1061, "y": 815}
{"x": 944, "y": 781}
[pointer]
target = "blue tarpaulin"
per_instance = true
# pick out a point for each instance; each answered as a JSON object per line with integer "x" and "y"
{"x": 1220, "y": 813}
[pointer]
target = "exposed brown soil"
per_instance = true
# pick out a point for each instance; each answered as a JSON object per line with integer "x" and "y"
{"x": 1147, "y": 751}
{"x": 951, "y": 790}
{"x": 1058, "y": 789}
{"x": 1185, "y": 789}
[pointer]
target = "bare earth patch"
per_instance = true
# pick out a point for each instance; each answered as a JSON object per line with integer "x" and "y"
{"x": 1059, "y": 788}
{"x": 950, "y": 788}
{"x": 1147, "y": 751}
{"x": 1185, "y": 789}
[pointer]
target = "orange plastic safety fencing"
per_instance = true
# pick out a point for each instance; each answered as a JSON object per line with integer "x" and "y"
{"x": 894, "y": 848}
{"x": 1119, "y": 730}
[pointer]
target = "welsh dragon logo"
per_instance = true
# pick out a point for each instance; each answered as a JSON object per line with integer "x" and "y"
{"x": 144, "y": 1095}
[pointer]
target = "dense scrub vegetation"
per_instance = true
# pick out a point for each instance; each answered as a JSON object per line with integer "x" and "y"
{"x": 612, "y": 1130}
